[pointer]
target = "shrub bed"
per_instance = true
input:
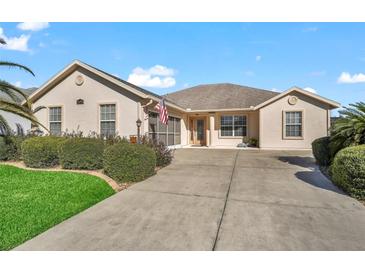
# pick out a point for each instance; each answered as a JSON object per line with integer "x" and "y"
{"x": 10, "y": 148}
{"x": 3, "y": 149}
{"x": 82, "y": 153}
{"x": 40, "y": 152}
{"x": 163, "y": 153}
{"x": 348, "y": 171}
{"x": 321, "y": 151}
{"x": 126, "y": 162}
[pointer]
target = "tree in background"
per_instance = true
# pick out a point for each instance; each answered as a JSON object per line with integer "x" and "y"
{"x": 15, "y": 100}
{"x": 349, "y": 129}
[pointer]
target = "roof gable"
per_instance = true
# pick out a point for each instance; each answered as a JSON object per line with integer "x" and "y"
{"x": 331, "y": 103}
{"x": 144, "y": 94}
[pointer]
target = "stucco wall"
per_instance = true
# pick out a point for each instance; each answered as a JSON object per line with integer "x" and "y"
{"x": 315, "y": 122}
{"x": 94, "y": 91}
{"x": 213, "y": 128}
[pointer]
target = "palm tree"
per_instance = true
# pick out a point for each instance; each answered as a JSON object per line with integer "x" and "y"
{"x": 349, "y": 129}
{"x": 15, "y": 94}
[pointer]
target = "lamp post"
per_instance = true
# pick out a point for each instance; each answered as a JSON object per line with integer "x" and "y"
{"x": 138, "y": 123}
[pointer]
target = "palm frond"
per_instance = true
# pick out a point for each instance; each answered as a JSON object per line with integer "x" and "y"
{"x": 38, "y": 109}
{"x": 350, "y": 128}
{"x": 19, "y": 129}
{"x": 5, "y": 129}
{"x": 9, "y": 89}
{"x": 20, "y": 111}
{"x": 16, "y": 65}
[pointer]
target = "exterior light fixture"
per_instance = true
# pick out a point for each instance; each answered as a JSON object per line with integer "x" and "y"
{"x": 139, "y": 123}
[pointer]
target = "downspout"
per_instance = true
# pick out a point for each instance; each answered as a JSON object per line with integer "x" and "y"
{"x": 328, "y": 121}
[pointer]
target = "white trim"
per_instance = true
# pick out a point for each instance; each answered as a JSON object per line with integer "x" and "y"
{"x": 62, "y": 117}
{"x": 284, "y": 136}
{"x": 233, "y": 136}
{"x": 99, "y": 104}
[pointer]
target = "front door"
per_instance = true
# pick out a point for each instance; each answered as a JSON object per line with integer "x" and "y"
{"x": 197, "y": 131}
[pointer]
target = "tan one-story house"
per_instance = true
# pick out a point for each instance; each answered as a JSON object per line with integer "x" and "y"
{"x": 84, "y": 98}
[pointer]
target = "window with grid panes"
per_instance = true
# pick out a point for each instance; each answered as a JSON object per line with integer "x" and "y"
{"x": 107, "y": 120}
{"x": 233, "y": 125}
{"x": 55, "y": 120}
{"x": 293, "y": 124}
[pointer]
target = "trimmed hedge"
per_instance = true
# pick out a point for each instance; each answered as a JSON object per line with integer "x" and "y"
{"x": 39, "y": 152}
{"x": 10, "y": 148}
{"x": 348, "y": 171}
{"x": 82, "y": 153}
{"x": 126, "y": 162}
{"x": 321, "y": 151}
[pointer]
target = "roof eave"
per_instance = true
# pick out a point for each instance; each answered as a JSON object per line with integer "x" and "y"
{"x": 218, "y": 110}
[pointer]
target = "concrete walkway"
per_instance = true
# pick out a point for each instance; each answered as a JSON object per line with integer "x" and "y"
{"x": 219, "y": 200}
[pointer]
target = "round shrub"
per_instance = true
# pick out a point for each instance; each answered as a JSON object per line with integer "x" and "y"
{"x": 321, "y": 151}
{"x": 39, "y": 152}
{"x": 126, "y": 162}
{"x": 82, "y": 153}
{"x": 348, "y": 170}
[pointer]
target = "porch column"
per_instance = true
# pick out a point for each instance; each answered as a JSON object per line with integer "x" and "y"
{"x": 211, "y": 128}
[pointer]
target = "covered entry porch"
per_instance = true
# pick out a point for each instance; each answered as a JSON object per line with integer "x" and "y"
{"x": 224, "y": 128}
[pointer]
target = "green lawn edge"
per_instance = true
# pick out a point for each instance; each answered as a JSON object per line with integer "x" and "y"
{"x": 33, "y": 201}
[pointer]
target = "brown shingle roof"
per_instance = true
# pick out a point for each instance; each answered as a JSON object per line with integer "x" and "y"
{"x": 220, "y": 96}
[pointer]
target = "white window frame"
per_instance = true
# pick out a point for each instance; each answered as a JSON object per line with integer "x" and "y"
{"x": 301, "y": 137}
{"x": 55, "y": 121}
{"x": 109, "y": 120}
{"x": 233, "y": 136}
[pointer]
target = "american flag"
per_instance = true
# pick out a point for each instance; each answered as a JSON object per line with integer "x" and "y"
{"x": 161, "y": 107}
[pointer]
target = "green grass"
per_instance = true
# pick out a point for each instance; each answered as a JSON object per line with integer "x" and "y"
{"x": 34, "y": 201}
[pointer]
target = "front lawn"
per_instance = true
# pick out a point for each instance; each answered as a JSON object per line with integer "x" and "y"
{"x": 34, "y": 201}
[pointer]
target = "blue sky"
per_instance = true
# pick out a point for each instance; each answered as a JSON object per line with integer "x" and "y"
{"x": 165, "y": 57}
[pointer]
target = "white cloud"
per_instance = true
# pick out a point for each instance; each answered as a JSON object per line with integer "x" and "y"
{"x": 258, "y": 58}
{"x": 161, "y": 71}
{"x": 347, "y": 78}
{"x": 311, "y": 29}
{"x": 15, "y": 43}
{"x": 275, "y": 90}
{"x": 157, "y": 76}
{"x": 249, "y": 73}
{"x": 318, "y": 73}
{"x": 42, "y": 45}
{"x": 310, "y": 90}
{"x": 33, "y": 26}
{"x": 17, "y": 84}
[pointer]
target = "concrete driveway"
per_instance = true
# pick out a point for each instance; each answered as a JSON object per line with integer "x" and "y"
{"x": 219, "y": 200}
